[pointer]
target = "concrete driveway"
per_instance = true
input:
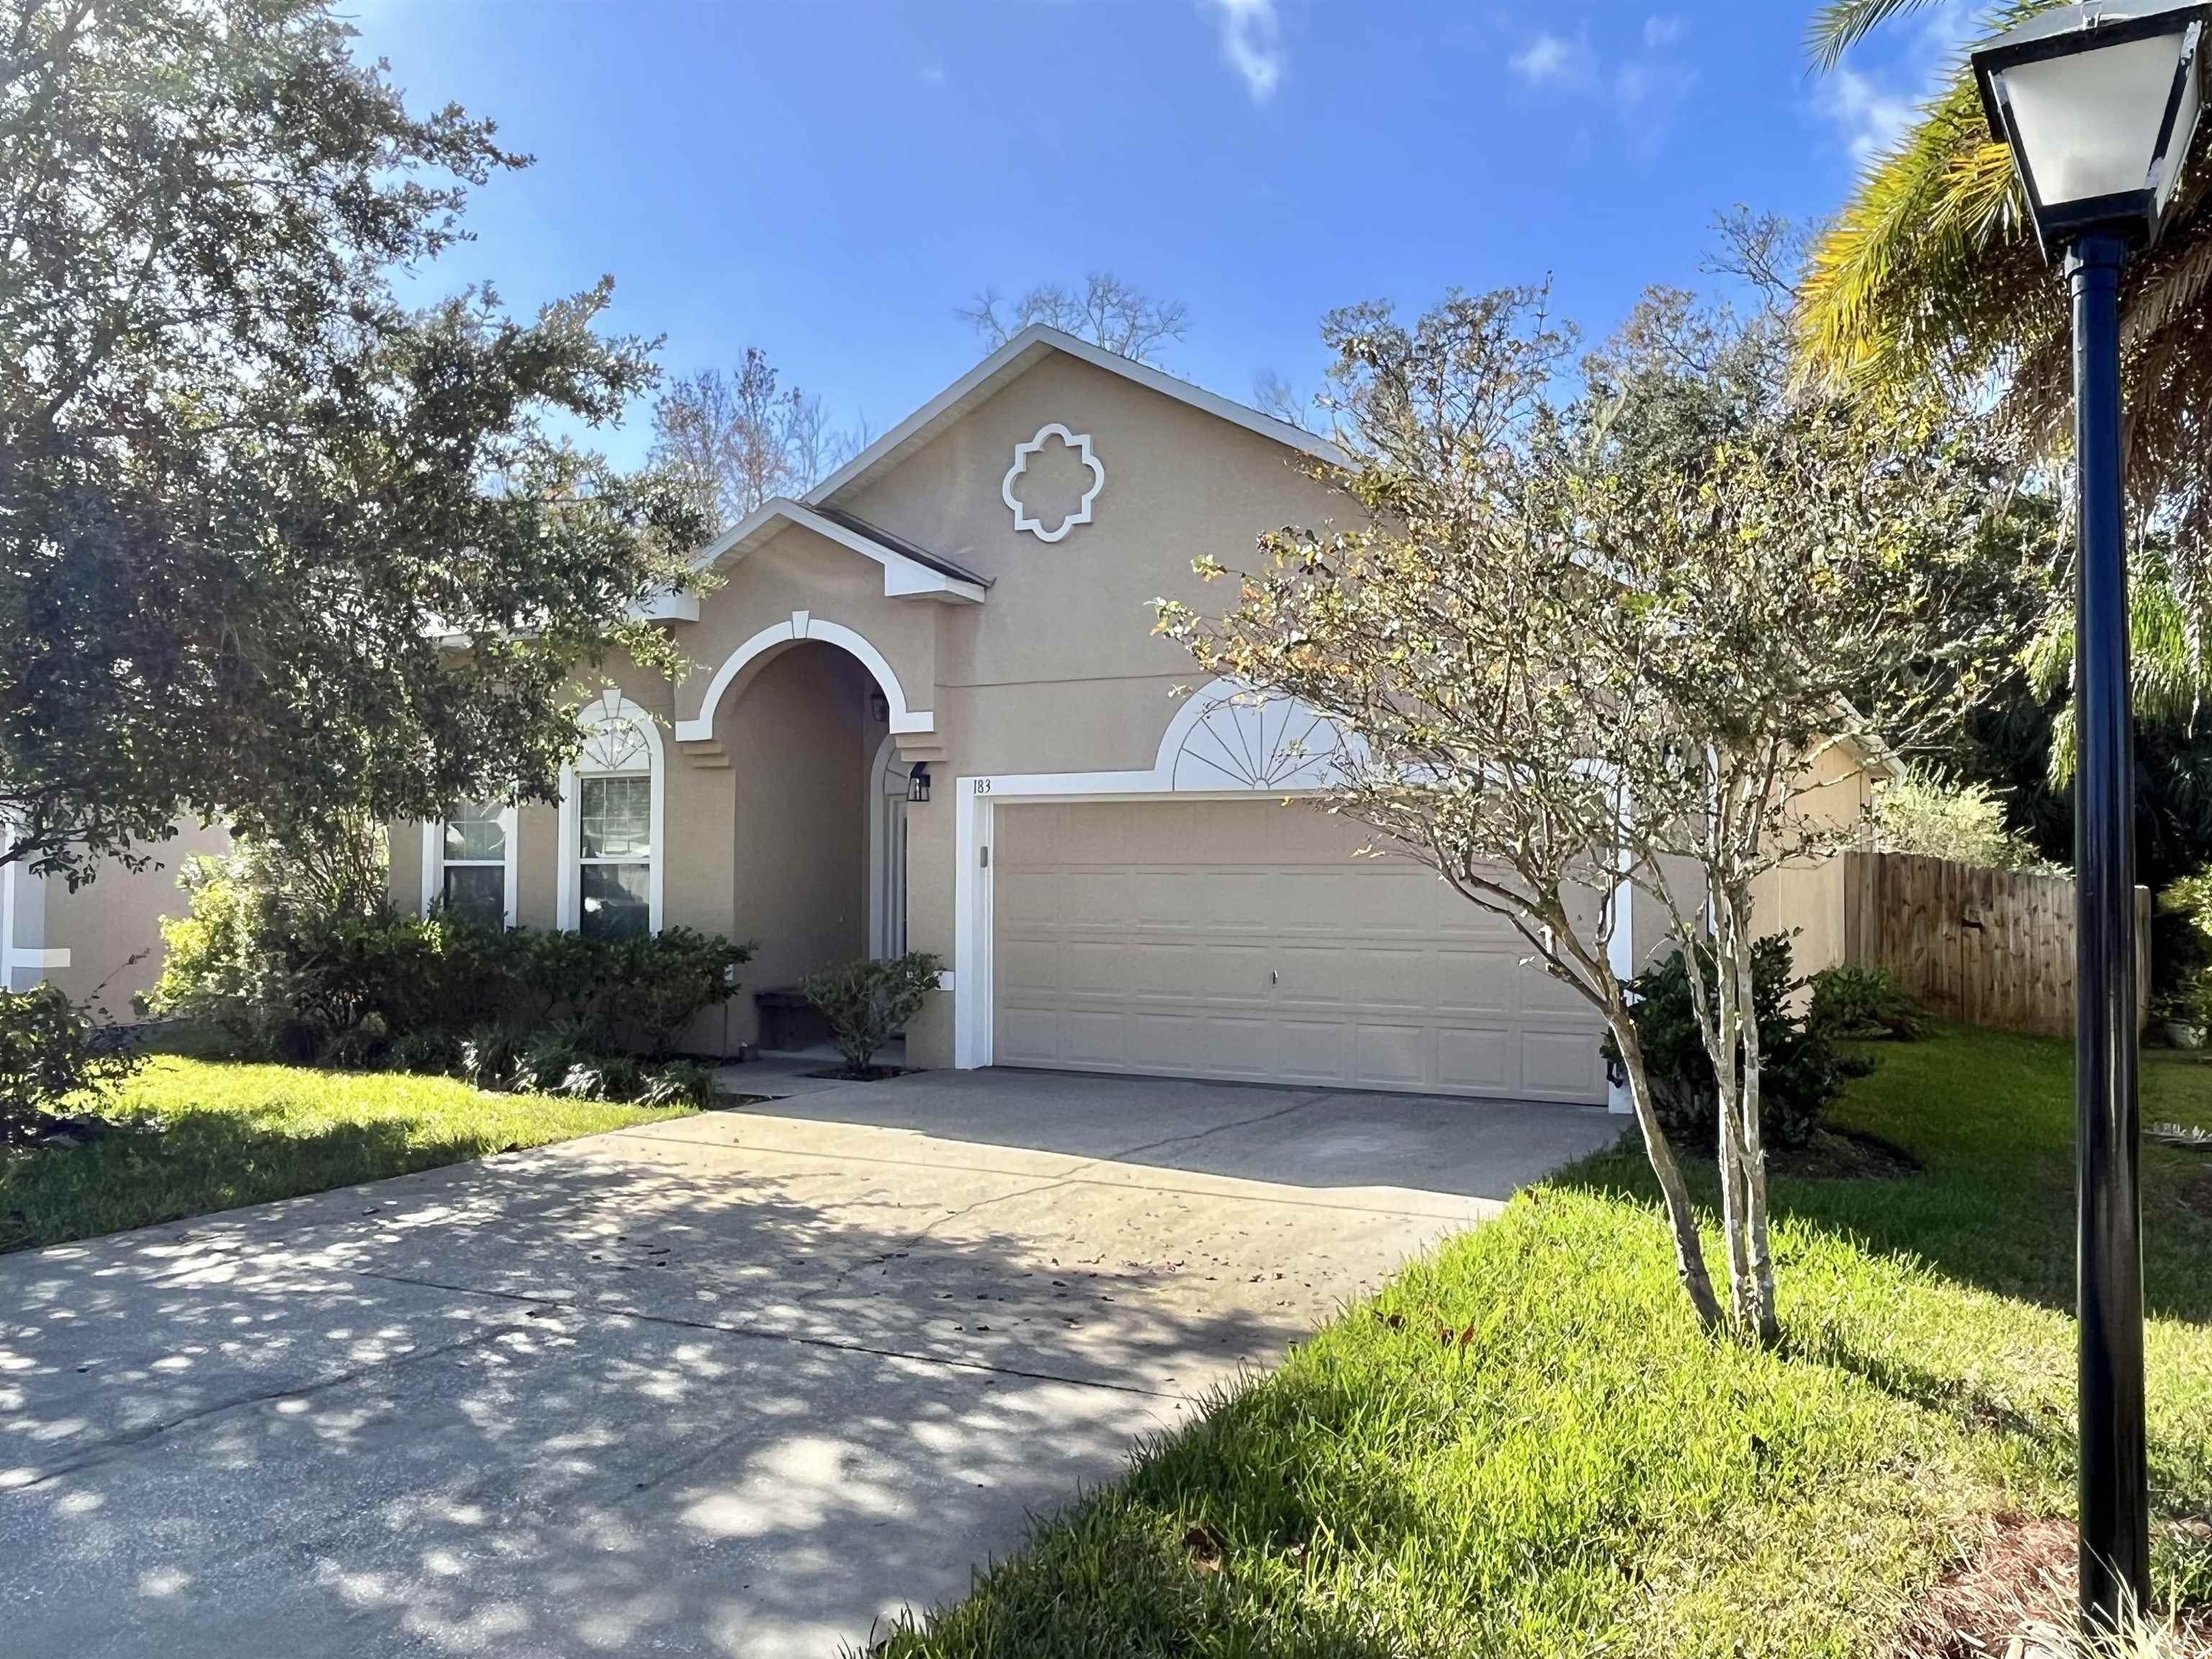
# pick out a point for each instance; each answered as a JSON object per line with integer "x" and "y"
{"x": 740, "y": 1384}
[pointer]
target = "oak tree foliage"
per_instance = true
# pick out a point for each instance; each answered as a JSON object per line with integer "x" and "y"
{"x": 273, "y": 545}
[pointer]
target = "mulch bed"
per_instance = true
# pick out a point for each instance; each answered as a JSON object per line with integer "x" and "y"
{"x": 2019, "y": 1579}
{"x": 872, "y": 1074}
{"x": 1842, "y": 1155}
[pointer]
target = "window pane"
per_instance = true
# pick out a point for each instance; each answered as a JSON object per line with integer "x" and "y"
{"x": 617, "y": 899}
{"x": 617, "y": 816}
{"x": 475, "y": 832}
{"x": 479, "y": 890}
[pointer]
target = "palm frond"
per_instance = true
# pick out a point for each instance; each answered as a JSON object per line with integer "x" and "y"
{"x": 1842, "y": 24}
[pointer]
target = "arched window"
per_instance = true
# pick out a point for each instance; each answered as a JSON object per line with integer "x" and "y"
{"x": 613, "y": 820}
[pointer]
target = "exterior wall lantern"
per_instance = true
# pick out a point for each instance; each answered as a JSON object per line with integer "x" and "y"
{"x": 2098, "y": 104}
{"x": 917, "y": 782}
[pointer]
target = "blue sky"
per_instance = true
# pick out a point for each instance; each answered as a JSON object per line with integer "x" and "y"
{"x": 830, "y": 181}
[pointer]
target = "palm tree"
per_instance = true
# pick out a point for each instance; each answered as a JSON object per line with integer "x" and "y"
{"x": 1929, "y": 284}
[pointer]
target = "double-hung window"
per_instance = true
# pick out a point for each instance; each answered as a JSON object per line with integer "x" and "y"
{"x": 474, "y": 857}
{"x": 615, "y": 845}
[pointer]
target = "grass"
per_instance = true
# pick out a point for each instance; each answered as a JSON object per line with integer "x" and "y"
{"x": 221, "y": 1134}
{"x": 1522, "y": 1446}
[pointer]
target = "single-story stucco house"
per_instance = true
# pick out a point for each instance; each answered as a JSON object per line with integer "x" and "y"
{"x": 926, "y": 709}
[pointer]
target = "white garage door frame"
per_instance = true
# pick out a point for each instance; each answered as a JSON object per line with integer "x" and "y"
{"x": 1188, "y": 768}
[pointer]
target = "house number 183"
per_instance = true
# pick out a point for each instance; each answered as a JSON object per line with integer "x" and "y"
{"x": 982, "y": 785}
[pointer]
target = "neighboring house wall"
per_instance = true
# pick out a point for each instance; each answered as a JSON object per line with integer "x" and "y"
{"x": 110, "y": 928}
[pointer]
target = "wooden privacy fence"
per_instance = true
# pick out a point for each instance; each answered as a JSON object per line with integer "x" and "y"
{"x": 1990, "y": 947}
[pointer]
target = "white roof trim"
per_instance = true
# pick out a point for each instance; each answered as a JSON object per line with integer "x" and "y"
{"x": 1017, "y": 355}
{"x": 903, "y": 578}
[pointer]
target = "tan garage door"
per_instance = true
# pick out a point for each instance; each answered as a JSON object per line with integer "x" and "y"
{"x": 1241, "y": 940}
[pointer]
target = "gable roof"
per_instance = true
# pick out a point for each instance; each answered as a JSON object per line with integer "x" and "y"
{"x": 908, "y": 571}
{"x": 1016, "y": 357}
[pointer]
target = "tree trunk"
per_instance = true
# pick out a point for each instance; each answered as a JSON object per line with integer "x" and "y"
{"x": 1759, "y": 1317}
{"x": 1689, "y": 1248}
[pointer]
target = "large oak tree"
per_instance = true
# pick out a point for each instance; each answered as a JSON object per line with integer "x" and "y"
{"x": 274, "y": 546}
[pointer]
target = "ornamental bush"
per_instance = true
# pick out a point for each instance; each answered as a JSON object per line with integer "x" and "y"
{"x": 289, "y": 979}
{"x": 1853, "y": 1000}
{"x": 1801, "y": 1072}
{"x": 868, "y": 1004}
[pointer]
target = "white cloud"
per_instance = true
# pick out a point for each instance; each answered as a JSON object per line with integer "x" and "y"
{"x": 1872, "y": 108}
{"x": 1645, "y": 86}
{"x": 1252, "y": 43}
{"x": 1551, "y": 60}
{"x": 1871, "y": 117}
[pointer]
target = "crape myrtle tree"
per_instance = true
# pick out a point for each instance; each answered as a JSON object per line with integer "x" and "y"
{"x": 1595, "y": 629}
{"x": 273, "y": 545}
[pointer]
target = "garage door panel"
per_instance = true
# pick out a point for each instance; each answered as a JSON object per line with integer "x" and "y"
{"x": 1027, "y": 1036}
{"x": 1561, "y": 1064}
{"x": 1031, "y": 894}
{"x": 1314, "y": 1051}
{"x": 1170, "y": 969}
{"x": 1091, "y": 898}
{"x": 1546, "y": 996}
{"x": 1098, "y": 968}
{"x": 1173, "y": 1044}
{"x": 1390, "y": 1056}
{"x": 1241, "y": 940}
{"x": 1094, "y": 1037}
{"x": 1237, "y": 972}
{"x": 1477, "y": 982}
{"x": 1316, "y": 973}
{"x": 1032, "y": 964}
{"x": 1478, "y": 1058}
{"x": 1392, "y": 977}
{"x": 1239, "y": 1047}
{"x": 1165, "y": 898}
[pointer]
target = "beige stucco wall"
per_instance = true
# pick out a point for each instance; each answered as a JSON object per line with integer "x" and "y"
{"x": 114, "y": 919}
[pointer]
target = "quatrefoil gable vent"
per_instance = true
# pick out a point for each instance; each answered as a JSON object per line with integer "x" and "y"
{"x": 1053, "y": 482}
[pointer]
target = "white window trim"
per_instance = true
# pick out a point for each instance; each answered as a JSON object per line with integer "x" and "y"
{"x": 568, "y": 890}
{"x": 974, "y": 978}
{"x": 434, "y": 862}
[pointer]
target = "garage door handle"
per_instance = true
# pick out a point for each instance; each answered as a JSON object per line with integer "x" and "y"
{"x": 1274, "y": 978}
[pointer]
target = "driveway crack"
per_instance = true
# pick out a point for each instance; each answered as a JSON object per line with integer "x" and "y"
{"x": 114, "y": 1446}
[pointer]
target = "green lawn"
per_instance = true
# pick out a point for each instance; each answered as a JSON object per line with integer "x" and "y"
{"x": 231, "y": 1134}
{"x": 1584, "y": 1474}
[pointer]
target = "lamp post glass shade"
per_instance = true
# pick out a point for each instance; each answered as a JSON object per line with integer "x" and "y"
{"x": 2099, "y": 103}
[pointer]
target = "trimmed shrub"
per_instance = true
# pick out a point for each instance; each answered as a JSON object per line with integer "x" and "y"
{"x": 291, "y": 983}
{"x": 1851, "y": 1001}
{"x": 868, "y": 1003}
{"x": 1801, "y": 1072}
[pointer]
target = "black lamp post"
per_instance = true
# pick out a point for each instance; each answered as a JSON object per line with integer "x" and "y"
{"x": 2099, "y": 103}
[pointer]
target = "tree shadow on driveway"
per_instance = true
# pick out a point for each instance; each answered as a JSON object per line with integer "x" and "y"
{"x": 650, "y": 1390}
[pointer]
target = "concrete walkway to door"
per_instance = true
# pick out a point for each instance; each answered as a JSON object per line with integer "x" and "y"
{"x": 737, "y": 1384}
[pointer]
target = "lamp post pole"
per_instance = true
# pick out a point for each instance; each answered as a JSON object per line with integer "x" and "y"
{"x": 2115, "y": 1482}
